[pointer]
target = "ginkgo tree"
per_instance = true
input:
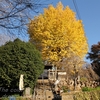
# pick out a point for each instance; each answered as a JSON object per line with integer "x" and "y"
{"x": 57, "y": 33}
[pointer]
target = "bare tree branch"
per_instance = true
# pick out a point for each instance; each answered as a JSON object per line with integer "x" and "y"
{"x": 15, "y": 14}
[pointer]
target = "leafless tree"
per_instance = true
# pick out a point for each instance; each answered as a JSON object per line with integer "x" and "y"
{"x": 15, "y": 14}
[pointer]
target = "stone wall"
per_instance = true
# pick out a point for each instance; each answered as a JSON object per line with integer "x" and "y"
{"x": 76, "y": 84}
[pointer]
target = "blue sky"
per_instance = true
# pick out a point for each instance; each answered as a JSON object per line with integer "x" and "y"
{"x": 89, "y": 11}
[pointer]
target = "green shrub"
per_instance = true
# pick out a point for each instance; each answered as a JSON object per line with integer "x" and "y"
{"x": 97, "y": 88}
{"x": 4, "y": 98}
{"x": 90, "y": 89}
{"x": 91, "y": 95}
{"x": 64, "y": 88}
{"x": 86, "y": 89}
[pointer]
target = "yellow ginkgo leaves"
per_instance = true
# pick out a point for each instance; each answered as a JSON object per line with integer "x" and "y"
{"x": 57, "y": 33}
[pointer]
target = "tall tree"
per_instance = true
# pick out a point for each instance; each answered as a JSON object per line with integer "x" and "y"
{"x": 94, "y": 56}
{"x": 15, "y": 14}
{"x": 18, "y": 58}
{"x": 58, "y": 34}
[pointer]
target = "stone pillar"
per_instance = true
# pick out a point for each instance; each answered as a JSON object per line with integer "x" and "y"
{"x": 27, "y": 92}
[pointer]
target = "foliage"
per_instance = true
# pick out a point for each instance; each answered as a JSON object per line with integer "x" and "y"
{"x": 18, "y": 58}
{"x": 58, "y": 34}
{"x": 87, "y": 89}
{"x": 91, "y": 95}
{"x": 94, "y": 56}
{"x": 65, "y": 89}
{"x": 90, "y": 89}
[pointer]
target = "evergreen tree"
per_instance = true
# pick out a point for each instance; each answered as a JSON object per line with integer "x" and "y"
{"x": 94, "y": 56}
{"x": 18, "y": 58}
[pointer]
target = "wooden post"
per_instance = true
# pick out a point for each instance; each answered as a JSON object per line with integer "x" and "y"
{"x": 49, "y": 74}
